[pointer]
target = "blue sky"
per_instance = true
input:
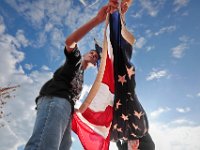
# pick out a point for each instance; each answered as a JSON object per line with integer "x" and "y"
{"x": 166, "y": 56}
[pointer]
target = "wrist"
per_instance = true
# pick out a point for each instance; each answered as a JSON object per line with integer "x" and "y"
{"x": 98, "y": 19}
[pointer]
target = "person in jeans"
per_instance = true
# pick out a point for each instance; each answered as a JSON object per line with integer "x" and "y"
{"x": 55, "y": 103}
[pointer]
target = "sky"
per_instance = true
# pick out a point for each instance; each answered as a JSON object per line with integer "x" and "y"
{"x": 166, "y": 57}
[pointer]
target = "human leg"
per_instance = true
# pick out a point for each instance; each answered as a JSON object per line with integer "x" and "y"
{"x": 66, "y": 140}
{"x": 53, "y": 115}
{"x": 146, "y": 143}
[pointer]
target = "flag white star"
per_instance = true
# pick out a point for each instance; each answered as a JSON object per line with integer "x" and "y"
{"x": 138, "y": 114}
{"x": 135, "y": 126}
{"x": 118, "y": 104}
{"x": 130, "y": 71}
{"x": 122, "y": 79}
{"x": 124, "y": 117}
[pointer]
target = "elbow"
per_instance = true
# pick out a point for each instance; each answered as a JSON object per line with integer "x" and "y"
{"x": 70, "y": 44}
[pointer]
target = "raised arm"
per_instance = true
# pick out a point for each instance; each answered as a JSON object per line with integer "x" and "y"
{"x": 77, "y": 35}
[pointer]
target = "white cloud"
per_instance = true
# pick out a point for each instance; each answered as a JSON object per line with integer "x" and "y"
{"x": 192, "y": 96}
{"x": 166, "y": 29}
{"x": 22, "y": 110}
{"x": 179, "y": 50}
{"x": 28, "y": 66}
{"x": 138, "y": 14}
{"x": 179, "y": 4}
{"x": 2, "y": 29}
{"x": 185, "y": 39}
{"x": 50, "y": 17}
{"x": 11, "y": 56}
{"x": 158, "y": 112}
{"x": 13, "y": 142}
{"x": 181, "y": 122}
{"x": 183, "y": 110}
{"x": 149, "y": 48}
{"x": 73, "y": 139}
{"x": 41, "y": 40}
{"x": 140, "y": 42}
{"x": 85, "y": 91}
{"x": 32, "y": 11}
{"x": 185, "y": 42}
{"x": 189, "y": 96}
{"x": 45, "y": 68}
{"x": 175, "y": 138}
{"x": 198, "y": 94}
{"x": 48, "y": 27}
{"x": 21, "y": 38}
{"x": 152, "y": 7}
{"x": 2, "y": 26}
{"x": 149, "y": 33}
{"x": 185, "y": 14}
{"x": 19, "y": 125}
{"x": 57, "y": 38}
{"x": 162, "y": 30}
{"x": 157, "y": 74}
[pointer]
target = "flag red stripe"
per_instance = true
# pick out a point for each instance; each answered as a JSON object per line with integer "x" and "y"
{"x": 103, "y": 118}
{"x": 108, "y": 77}
{"x": 89, "y": 138}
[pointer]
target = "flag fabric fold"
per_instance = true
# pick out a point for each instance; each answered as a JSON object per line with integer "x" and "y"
{"x": 93, "y": 125}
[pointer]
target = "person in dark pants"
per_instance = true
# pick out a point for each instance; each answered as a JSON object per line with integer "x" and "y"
{"x": 146, "y": 143}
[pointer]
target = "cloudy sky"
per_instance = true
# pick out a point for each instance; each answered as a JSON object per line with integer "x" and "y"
{"x": 166, "y": 56}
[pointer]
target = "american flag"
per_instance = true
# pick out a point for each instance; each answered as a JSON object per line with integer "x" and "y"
{"x": 115, "y": 112}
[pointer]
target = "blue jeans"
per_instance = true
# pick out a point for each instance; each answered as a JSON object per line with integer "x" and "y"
{"x": 52, "y": 130}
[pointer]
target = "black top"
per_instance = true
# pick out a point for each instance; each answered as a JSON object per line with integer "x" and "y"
{"x": 67, "y": 80}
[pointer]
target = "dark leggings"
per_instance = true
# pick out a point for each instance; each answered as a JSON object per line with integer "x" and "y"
{"x": 146, "y": 143}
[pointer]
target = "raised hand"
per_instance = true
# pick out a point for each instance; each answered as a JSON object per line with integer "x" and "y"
{"x": 109, "y": 8}
{"x": 125, "y": 4}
